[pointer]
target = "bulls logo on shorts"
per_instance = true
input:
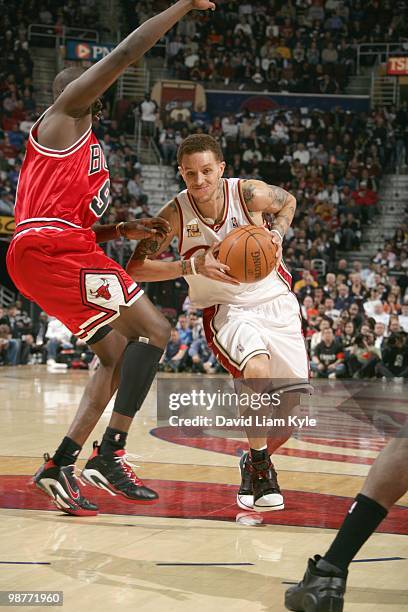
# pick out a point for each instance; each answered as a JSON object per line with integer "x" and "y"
{"x": 102, "y": 291}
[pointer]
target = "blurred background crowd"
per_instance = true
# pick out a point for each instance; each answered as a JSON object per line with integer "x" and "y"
{"x": 355, "y": 315}
{"x": 292, "y": 45}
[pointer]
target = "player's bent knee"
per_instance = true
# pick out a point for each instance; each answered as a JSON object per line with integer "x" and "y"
{"x": 160, "y": 334}
{"x": 257, "y": 367}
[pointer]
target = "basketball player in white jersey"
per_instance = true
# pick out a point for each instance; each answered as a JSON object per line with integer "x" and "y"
{"x": 253, "y": 329}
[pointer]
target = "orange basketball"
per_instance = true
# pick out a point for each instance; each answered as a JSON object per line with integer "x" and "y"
{"x": 249, "y": 252}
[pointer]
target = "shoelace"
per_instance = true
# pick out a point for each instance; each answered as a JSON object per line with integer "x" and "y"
{"x": 267, "y": 473}
{"x": 128, "y": 467}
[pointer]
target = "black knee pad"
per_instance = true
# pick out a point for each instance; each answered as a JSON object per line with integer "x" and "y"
{"x": 139, "y": 367}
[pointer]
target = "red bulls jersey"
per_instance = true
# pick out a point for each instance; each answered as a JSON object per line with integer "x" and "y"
{"x": 71, "y": 185}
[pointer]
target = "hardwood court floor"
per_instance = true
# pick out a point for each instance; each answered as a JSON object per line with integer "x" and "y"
{"x": 194, "y": 549}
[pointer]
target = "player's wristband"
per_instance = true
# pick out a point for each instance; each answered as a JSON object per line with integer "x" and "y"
{"x": 277, "y": 232}
{"x": 120, "y": 229}
{"x": 193, "y": 268}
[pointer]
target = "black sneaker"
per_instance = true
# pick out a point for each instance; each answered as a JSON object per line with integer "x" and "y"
{"x": 321, "y": 590}
{"x": 114, "y": 474}
{"x": 245, "y": 495}
{"x": 267, "y": 494}
{"x": 60, "y": 483}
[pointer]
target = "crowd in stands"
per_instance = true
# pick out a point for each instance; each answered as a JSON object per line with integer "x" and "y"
{"x": 18, "y": 108}
{"x": 331, "y": 161}
{"x": 355, "y": 318}
{"x": 277, "y": 45}
{"x": 43, "y": 341}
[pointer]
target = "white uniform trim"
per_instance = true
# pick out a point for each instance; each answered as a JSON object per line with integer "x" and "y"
{"x": 35, "y": 219}
{"x": 57, "y": 153}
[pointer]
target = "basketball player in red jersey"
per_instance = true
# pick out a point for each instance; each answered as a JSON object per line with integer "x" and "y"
{"x": 253, "y": 328}
{"x": 55, "y": 261}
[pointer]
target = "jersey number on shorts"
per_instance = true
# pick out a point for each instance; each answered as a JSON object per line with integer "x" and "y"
{"x": 100, "y": 202}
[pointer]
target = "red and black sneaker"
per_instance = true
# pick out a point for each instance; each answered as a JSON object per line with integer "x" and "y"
{"x": 114, "y": 473}
{"x": 60, "y": 483}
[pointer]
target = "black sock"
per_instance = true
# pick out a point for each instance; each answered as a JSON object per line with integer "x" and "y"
{"x": 67, "y": 452}
{"x": 113, "y": 440}
{"x": 259, "y": 455}
{"x": 361, "y": 521}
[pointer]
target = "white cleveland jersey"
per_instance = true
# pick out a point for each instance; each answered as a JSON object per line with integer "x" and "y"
{"x": 198, "y": 234}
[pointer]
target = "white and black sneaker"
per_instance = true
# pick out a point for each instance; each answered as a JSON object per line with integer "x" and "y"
{"x": 114, "y": 474}
{"x": 61, "y": 484}
{"x": 245, "y": 495}
{"x": 259, "y": 488}
{"x": 267, "y": 494}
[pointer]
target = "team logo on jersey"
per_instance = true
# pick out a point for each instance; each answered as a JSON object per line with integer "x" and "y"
{"x": 234, "y": 222}
{"x": 193, "y": 230}
{"x": 102, "y": 291}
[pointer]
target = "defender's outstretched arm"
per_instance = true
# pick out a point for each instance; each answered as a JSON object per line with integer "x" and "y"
{"x": 81, "y": 93}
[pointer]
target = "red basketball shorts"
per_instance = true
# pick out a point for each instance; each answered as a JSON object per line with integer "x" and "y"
{"x": 69, "y": 276}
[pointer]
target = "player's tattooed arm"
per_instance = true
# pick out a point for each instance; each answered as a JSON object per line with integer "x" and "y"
{"x": 284, "y": 205}
{"x": 260, "y": 197}
{"x": 150, "y": 247}
{"x": 144, "y": 266}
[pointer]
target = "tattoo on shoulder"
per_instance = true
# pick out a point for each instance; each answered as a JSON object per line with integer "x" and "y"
{"x": 278, "y": 196}
{"x": 248, "y": 192}
{"x": 172, "y": 206}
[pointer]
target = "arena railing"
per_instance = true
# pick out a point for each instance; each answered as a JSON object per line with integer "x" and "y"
{"x": 7, "y": 297}
{"x": 377, "y": 53}
{"x": 39, "y": 32}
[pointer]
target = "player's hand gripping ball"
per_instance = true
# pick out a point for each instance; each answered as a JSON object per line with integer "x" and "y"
{"x": 249, "y": 252}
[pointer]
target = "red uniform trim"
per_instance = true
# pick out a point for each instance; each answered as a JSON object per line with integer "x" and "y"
{"x": 208, "y": 316}
{"x": 216, "y": 226}
{"x": 243, "y": 205}
{"x": 181, "y": 228}
{"x": 285, "y": 275}
{"x": 56, "y": 152}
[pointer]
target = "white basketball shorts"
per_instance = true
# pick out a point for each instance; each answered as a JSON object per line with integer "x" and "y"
{"x": 237, "y": 333}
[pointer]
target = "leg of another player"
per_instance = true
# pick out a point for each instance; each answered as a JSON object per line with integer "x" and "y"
{"x": 259, "y": 485}
{"x": 325, "y": 579}
{"x": 100, "y": 388}
{"x": 147, "y": 333}
{"x": 57, "y": 476}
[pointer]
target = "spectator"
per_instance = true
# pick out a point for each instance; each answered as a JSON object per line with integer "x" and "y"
{"x": 403, "y": 318}
{"x": 328, "y": 358}
{"x": 364, "y": 356}
{"x": 174, "y": 353}
{"x": 9, "y": 347}
{"x": 203, "y": 360}
{"x": 378, "y": 313}
{"x": 379, "y": 334}
{"x": 148, "y": 114}
{"x": 394, "y": 362}
{"x": 59, "y": 338}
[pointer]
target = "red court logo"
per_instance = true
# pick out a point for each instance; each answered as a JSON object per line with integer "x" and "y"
{"x": 102, "y": 291}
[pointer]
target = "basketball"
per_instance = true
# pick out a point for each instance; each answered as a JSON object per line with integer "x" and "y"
{"x": 249, "y": 252}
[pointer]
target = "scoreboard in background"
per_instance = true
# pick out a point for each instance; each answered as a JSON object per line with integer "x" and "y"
{"x": 87, "y": 51}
